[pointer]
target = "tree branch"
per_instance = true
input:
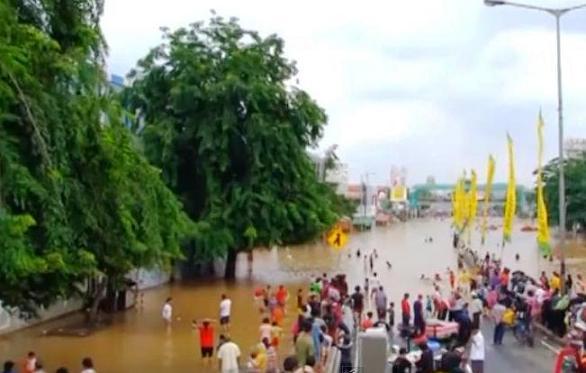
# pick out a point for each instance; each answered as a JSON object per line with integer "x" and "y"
{"x": 37, "y": 136}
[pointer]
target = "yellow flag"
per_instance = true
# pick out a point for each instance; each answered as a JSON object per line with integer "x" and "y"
{"x": 511, "y": 201}
{"x": 463, "y": 203}
{"x": 542, "y": 224}
{"x": 458, "y": 205}
{"x": 455, "y": 205}
{"x": 487, "y": 195}
{"x": 464, "y": 209}
{"x": 472, "y": 205}
{"x": 472, "y": 202}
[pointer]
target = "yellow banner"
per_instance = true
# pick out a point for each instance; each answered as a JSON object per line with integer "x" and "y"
{"x": 472, "y": 207}
{"x": 472, "y": 202}
{"x": 542, "y": 224}
{"x": 511, "y": 201}
{"x": 487, "y": 195}
{"x": 458, "y": 204}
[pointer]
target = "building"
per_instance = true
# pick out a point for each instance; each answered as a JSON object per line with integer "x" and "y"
{"x": 116, "y": 82}
{"x": 318, "y": 165}
{"x": 338, "y": 176}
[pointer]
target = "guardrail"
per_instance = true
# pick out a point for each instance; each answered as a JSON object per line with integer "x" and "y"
{"x": 333, "y": 362}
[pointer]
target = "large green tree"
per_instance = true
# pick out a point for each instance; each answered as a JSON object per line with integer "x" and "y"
{"x": 78, "y": 202}
{"x": 230, "y": 131}
{"x": 575, "y": 178}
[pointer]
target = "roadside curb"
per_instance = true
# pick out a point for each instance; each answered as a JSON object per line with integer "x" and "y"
{"x": 546, "y": 332}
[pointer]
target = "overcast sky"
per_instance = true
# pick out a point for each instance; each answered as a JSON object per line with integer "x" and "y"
{"x": 431, "y": 85}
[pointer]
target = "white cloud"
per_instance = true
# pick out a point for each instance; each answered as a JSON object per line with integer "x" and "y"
{"x": 433, "y": 85}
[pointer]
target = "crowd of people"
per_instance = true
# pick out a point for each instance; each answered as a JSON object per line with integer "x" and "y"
{"x": 517, "y": 303}
{"x": 317, "y": 328}
{"x": 328, "y": 314}
{"x": 32, "y": 364}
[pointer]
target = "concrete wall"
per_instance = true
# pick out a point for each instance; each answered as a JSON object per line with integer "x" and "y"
{"x": 10, "y": 322}
{"x": 150, "y": 278}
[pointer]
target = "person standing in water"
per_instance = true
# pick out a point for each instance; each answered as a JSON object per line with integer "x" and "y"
{"x": 167, "y": 311}
{"x": 405, "y": 311}
{"x": 225, "y": 310}
{"x": 228, "y": 355}
{"x": 357, "y": 299}
{"x": 380, "y": 301}
{"x": 206, "y": 339}
{"x": 418, "y": 319}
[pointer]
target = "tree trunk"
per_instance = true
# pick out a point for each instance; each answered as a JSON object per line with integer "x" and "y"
{"x": 96, "y": 297}
{"x": 230, "y": 272}
{"x": 250, "y": 260}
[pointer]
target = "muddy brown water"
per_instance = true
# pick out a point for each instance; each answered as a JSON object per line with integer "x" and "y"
{"x": 138, "y": 341}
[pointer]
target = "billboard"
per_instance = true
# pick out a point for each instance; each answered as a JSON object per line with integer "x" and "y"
{"x": 399, "y": 193}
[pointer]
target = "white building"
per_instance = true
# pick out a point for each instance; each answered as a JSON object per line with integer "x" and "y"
{"x": 338, "y": 176}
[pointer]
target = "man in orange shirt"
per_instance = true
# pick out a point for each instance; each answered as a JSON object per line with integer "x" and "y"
{"x": 278, "y": 315}
{"x": 206, "y": 339}
{"x": 282, "y": 296}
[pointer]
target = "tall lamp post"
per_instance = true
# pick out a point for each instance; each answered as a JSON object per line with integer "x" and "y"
{"x": 557, "y": 13}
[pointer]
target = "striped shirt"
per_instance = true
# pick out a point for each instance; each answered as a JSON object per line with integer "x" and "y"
{"x": 272, "y": 360}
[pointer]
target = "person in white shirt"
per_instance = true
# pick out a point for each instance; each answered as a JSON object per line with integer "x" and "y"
{"x": 228, "y": 356}
{"x": 167, "y": 311}
{"x": 477, "y": 351}
{"x": 265, "y": 329}
{"x": 87, "y": 365}
{"x": 225, "y": 310}
{"x": 540, "y": 295}
{"x": 475, "y": 310}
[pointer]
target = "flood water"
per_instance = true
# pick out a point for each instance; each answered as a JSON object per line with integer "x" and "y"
{"x": 138, "y": 341}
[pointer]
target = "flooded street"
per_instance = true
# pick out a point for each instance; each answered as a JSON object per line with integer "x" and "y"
{"x": 139, "y": 342}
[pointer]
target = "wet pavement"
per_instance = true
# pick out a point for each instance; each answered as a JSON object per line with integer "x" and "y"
{"x": 138, "y": 341}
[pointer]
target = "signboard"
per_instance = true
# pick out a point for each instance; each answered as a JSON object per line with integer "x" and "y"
{"x": 337, "y": 238}
{"x": 398, "y": 193}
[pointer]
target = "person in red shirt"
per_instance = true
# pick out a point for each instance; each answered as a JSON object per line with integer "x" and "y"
{"x": 282, "y": 295}
{"x": 505, "y": 278}
{"x": 367, "y": 322}
{"x": 206, "y": 339}
{"x": 406, "y": 310}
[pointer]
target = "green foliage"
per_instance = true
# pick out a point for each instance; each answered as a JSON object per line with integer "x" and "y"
{"x": 230, "y": 134}
{"x": 575, "y": 178}
{"x": 76, "y": 198}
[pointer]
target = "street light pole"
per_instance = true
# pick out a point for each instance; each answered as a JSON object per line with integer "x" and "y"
{"x": 557, "y": 13}
{"x": 562, "y": 177}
